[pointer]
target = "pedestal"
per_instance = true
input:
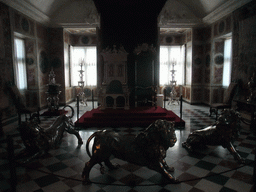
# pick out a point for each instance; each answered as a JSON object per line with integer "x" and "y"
{"x": 159, "y": 100}
{"x": 53, "y": 97}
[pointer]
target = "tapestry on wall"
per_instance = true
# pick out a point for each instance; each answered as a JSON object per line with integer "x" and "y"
{"x": 247, "y": 57}
{"x": 1, "y": 39}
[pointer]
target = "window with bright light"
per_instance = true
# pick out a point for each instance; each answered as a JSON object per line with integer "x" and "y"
{"x": 168, "y": 56}
{"x": 227, "y": 62}
{"x": 20, "y": 64}
{"x": 87, "y": 56}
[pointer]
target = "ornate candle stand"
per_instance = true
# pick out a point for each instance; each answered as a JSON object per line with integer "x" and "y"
{"x": 81, "y": 94}
{"x": 53, "y": 93}
{"x": 173, "y": 94}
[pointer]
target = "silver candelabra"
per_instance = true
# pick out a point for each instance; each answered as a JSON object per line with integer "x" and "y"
{"x": 173, "y": 93}
{"x": 81, "y": 95}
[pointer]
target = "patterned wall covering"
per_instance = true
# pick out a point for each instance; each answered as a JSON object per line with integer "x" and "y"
{"x": 244, "y": 57}
{"x": 6, "y": 62}
{"x": 197, "y": 95}
{"x": 43, "y": 67}
{"x": 207, "y": 73}
{"x": 218, "y": 61}
{"x": 201, "y": 55}
{"x": 56, "y": 50}
{"x": 23, "y": 25}
{"x": 228, "y": 24}
{"x": 198, "y": 54}
{"x": 198, "y": 34}
{"x": 37, "y": 57}
{"x": 189, "y": 36}
{"x": 215, "y": 60}
{"x": 183, "y": 92}
{"x": 187, "y": 95}
{"x": 83, "y": 40}
{"x": 218, "y": 72}
{"x": 31, "y": 60}
{"x": 68, "y": 88}
{"x": 222, "y": 26}
{"x": 207, "y": 64}
{"x": 197, "y": 75}
{"x": 219, "y": 47}
{"x": 215, "y": 94}
{"x": 206, "y": 95}
{"x": 172, "y": 39}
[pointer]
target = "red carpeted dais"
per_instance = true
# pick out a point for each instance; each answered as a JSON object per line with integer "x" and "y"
{"x": 134, "y": 117}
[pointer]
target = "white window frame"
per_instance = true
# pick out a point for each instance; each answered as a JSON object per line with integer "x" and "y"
{"x": 227, "y": 65}
{"x": 166, "y": 64}
{"x": 82, "y": 54}
{"x": 20, "y": 63}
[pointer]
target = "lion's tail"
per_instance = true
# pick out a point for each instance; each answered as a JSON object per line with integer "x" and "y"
{"x": 88, "y": 142}
{"x": 89, "y": 153}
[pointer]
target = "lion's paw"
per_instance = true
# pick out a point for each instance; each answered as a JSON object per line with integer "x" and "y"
{"x": 170, "y": 169}
{"x": 116, "y": 166}
{"x": 175, "y": 181}
{"x": 86, "y": 182}
{"x": 187, "y": 146}
{"x": 102, "y": 170}
{"x": 241, "y": 161}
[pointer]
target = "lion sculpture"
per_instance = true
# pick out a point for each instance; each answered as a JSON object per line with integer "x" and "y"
{"x": 222, "y": 133}
{"x": 148, "y": 149}
{"x": 38, "y": 140}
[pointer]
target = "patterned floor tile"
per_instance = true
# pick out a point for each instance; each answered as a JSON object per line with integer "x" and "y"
{"x": 205, "y": 165}
{"x": 60, "y": 169}
{"x": 208, "y": 186}
{"x": 216, "y": 178}
{"x": 46, "y": 180}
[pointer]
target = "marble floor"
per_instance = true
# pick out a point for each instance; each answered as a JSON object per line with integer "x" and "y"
{"x": 212, "y": 169}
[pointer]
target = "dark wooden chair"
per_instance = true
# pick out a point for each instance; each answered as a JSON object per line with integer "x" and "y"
{"x": 227, "y": 101}
{"x": 19, "y": 103}
{"x": 145, "y": 96}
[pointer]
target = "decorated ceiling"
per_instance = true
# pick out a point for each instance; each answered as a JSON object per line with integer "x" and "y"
{"x": 86, "y": 13}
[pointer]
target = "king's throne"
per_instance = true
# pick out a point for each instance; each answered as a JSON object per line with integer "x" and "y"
{"x": 114, "y": 92}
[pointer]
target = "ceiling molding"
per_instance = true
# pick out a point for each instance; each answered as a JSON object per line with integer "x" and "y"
{"x": 77, "y": 25}
{"x": 181, "y": 24}
{"x": 28, "y": 10}
{"x": 224, "y": 10}
{"x": 81, "y": 31}
{"x": 176, "y": 13}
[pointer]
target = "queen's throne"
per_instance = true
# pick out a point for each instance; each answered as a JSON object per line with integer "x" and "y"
{"x": 114, "y": 92}
{"x": 145, "y": 89}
